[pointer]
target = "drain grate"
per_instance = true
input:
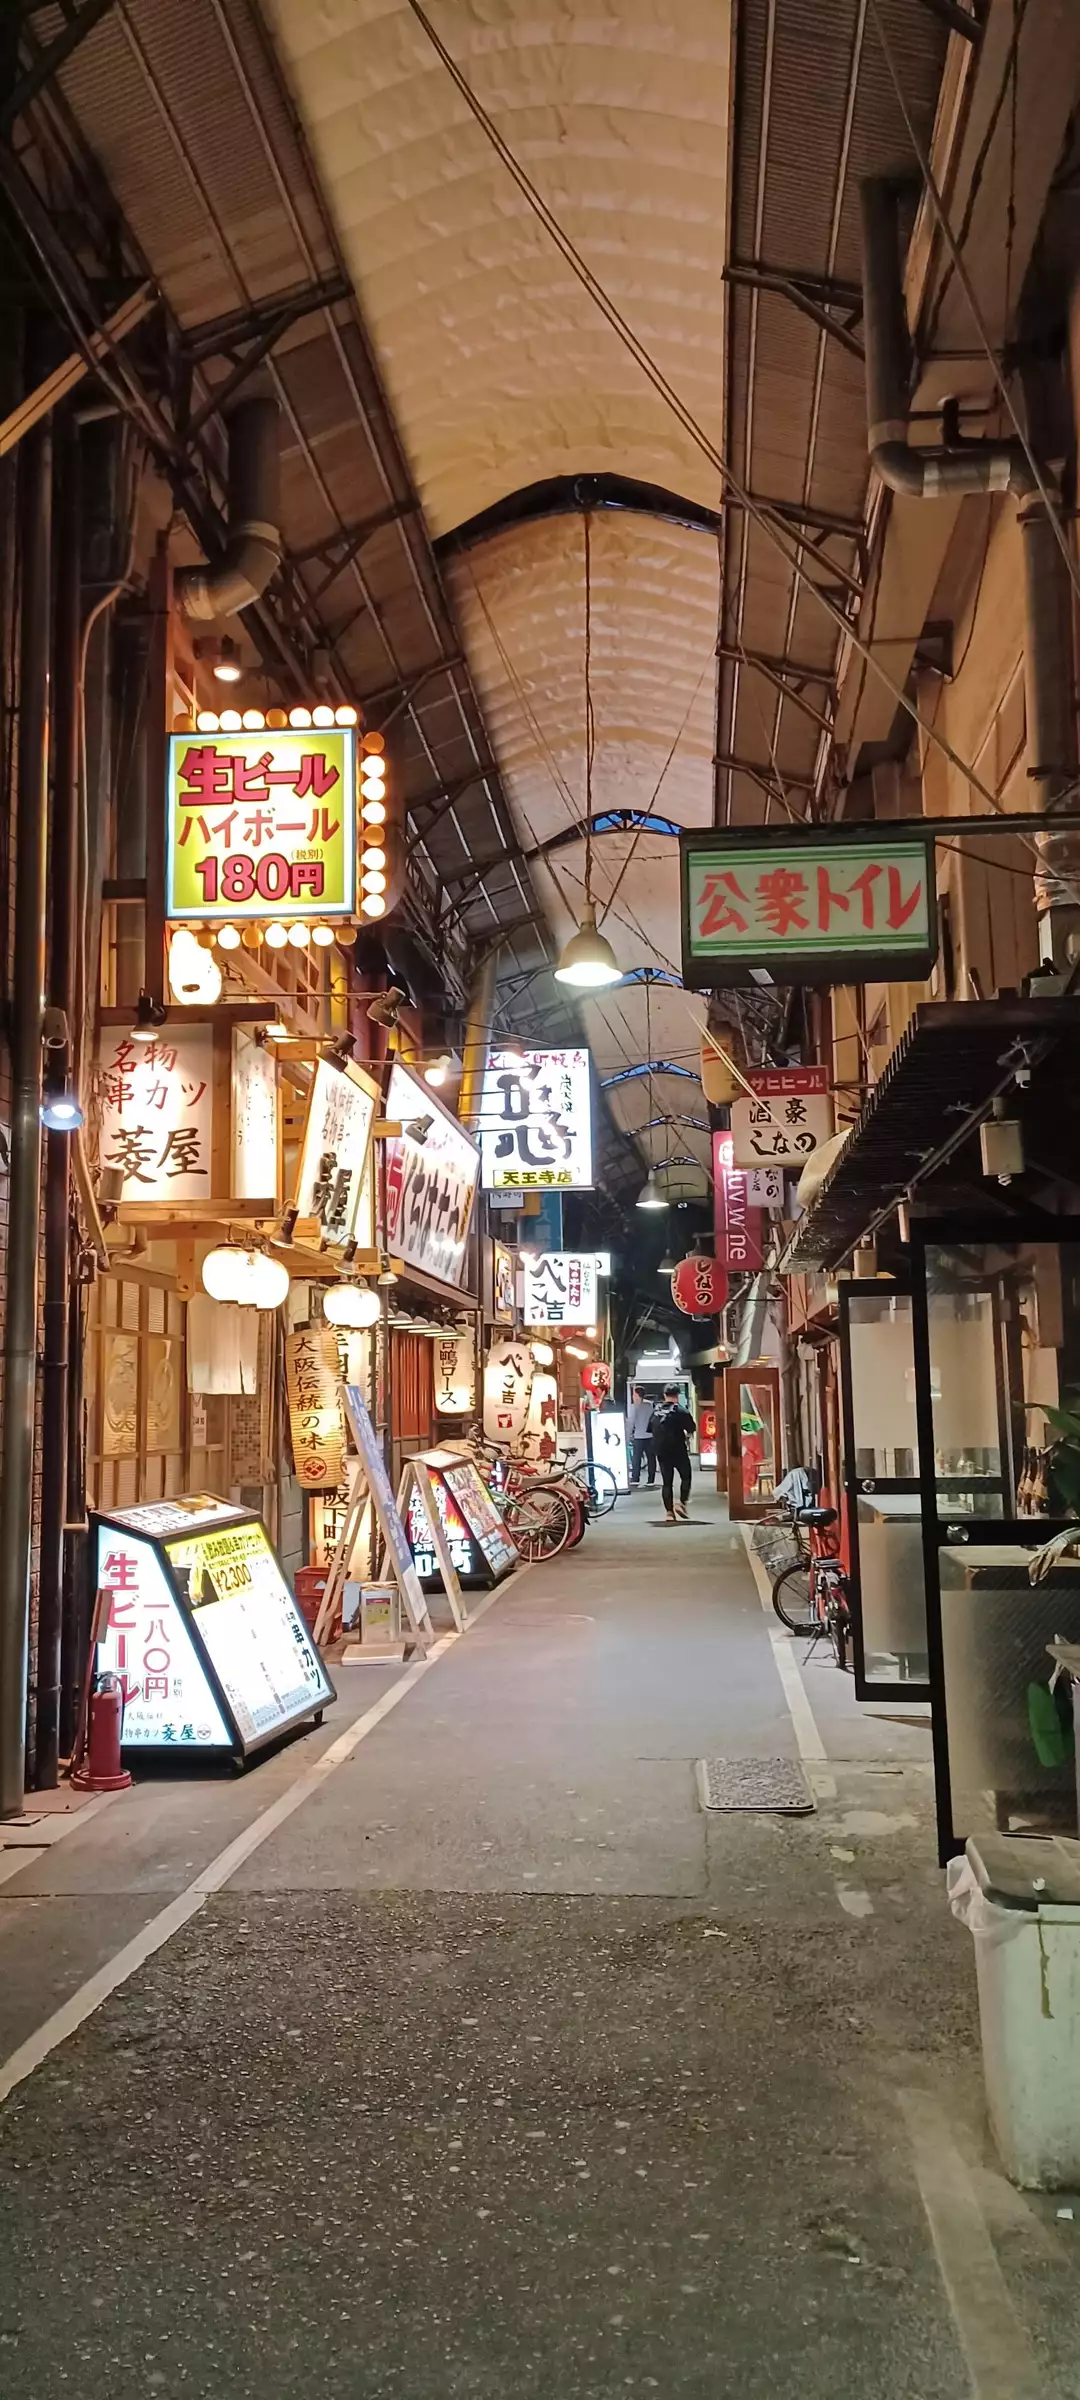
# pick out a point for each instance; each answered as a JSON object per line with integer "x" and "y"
{"x": 774, "y": 1786}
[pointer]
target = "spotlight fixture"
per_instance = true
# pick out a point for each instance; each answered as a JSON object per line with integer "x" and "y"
{"x": 227, "y": 662}
{"x": 149, "y": 1015}
{"x": 588, "y": 961}
{"x": 386, "y": 1273}
{"x": 61, "y": 1107}
{"x": 386, "y": 1006}
{"x": 418, "y": 1128}
{"x": 667, "y": 1265}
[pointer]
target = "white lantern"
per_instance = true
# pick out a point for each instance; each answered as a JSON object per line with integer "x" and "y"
{"x": 352, "y": 1304}
{"x": 222, "y": 1271}
{"x": 194, "y": 974}
{"x": 268, "y": 1281}
{"x": 508, "y": 1374}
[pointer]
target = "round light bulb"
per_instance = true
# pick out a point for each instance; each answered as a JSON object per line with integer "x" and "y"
{"x": 373, "y": 905}
{"x": 299, "y": 936}
{"x": 373, "y": 812}
{"x": 254, "y": 720}
{"x": 373, "y": 744}
{"x": 231, "y": 720}
{"x": 251, "y": 936}
{"x": 300, "y": 717}
{"x": 375, "y": 881}
{"x": 322, "y": 715}
{"x": 375, "y": 856}
{"x": 276, "y": 719}
{"x": 345, "y": 713}
{"x": 208, "y": 721}
{"x": 352, "y": 1304}
{"x": 373, "y": 785}
{"x": 276, "y": 936}
{"x": 322, "y": 936}
{"x": 228, "y": 937}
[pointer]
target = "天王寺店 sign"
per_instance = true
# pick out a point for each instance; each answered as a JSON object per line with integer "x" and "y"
{"x": 262, "y": 824}
{"x": 536, "y": 1121}
{"x": 819, "y": 906}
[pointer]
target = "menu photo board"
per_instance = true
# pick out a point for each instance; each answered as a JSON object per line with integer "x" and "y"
{"x": 455, "y": 1532}
{"x": 495, "y": 1552}
{"x": 203, "y": 1633}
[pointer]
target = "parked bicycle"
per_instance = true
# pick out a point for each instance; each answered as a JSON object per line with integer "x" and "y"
{"x": 811, "y": 1594}
{"x": 542, "y": 1512}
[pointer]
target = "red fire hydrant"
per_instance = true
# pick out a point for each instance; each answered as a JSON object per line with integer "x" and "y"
{"x": 99, "y": 1768}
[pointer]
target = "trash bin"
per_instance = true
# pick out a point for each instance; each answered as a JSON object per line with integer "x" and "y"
{"x": 1020, "y": 1898}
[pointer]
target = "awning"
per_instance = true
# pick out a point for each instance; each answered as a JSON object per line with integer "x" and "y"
{"x": 917, "y": 1125}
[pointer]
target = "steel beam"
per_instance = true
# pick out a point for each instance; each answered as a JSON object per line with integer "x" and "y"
{"x": 813, "y": 296}
{"x": 45, "y": 62}
{"x": 958, "y": 19}
{"x": 219, "y": 335}
{"x": 779, "y": 681}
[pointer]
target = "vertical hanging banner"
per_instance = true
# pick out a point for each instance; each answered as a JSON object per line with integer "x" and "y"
{"x": 315, "y": 1412}
{"x": 738, "y": 1226}
{"x": 333, "y": 1156}
{"x": 431, "y": 1175}
{"x": 261, "y": 824}
{"x": 254, "y": 1119}
{"x": 453, "y": 1360}
{"x": 536, "y": 1121}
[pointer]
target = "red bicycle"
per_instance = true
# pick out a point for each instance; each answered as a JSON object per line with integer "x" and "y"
{"x": 811, "y": 1594}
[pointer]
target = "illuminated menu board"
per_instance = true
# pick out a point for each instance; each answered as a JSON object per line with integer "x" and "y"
{"x": 481, "y": 1548}
{"x": 205, "y": 1637}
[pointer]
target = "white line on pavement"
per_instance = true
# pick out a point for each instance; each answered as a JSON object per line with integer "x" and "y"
{"x": 160, "y": 1929}
{"x": 810, "y": 1745}
{"x": 1000, "y": 2360}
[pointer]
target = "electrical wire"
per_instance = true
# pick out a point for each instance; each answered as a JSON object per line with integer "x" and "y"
{"x": 790, "y": 550}
{"x": 655, "y": 793}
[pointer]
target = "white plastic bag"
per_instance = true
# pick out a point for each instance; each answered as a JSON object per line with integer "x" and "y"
{"x": 986, "y": 1919}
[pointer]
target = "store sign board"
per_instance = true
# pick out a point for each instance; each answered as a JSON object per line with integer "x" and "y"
{"x": 452, "y": 1526}
{"x": 260, "y": 1650}
{"x": 168, "y": 1699}
{"x": 508, "y": 1375}
{"x": 254, "y": 1119}
{"x": 334, "y": 1157}
{"x": 503, "y": 1278}
{"x": 453, "y": 1360}
{"x": 765, "y": 1187}
{"x": 737, "y": 1225}
{"x": 261, "y": 824}
{"x": 315, "y": 1413}
{"x": 559, "y": 1287}
{"x": 605, "y": 1437}
{"x": 780, "y": 1130}
{"x": 807, "y": 907}
{"x": 536, "y": 1121}
{"x": 157, "y": 1112}
{"x": 430, "y": 1183}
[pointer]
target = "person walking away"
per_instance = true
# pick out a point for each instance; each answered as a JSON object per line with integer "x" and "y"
{"x": 642, "y": 1451}
{"x": 671, "y": 1426}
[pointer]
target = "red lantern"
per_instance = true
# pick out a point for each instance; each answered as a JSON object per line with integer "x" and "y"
{"x": 596, "y": 1380}
{"x": 699, "y": 1287}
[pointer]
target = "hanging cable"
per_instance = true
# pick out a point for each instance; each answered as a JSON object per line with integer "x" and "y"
{"x": 791, "y": 550}
{"x": 590, "y": 720}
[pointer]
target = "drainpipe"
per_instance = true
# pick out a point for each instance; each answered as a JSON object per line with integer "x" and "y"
{"x": 28, "y": 993}
{"x": 477, "y": 1040}
{"x": 955, "y": 466}
{"x": 253, "y": 538}
{"x": 63, "y": 859}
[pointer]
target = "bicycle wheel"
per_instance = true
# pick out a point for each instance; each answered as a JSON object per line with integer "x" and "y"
{"x": 792, "y": 1598}
{"x": 598, "y": 1484}
{"x": 839, "y": 1617}
{"x": 540, "y": 1522}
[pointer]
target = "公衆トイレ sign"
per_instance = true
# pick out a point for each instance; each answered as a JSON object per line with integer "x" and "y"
{"x": 828, "y": 905}
{"x": 261, "y": 824}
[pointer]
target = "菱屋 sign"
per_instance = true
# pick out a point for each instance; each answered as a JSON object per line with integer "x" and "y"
{"x": 536, "y": 1121}
{"x": 157, "y": 1110}
{"x": 737, "y": 1223}
{"x": 558, "y": 1287}
{"x": 333, "y": 1156}
{"x": 788, "y": 1117}
{"x": 316, "y": 1417}
{"x": 813, "y": 907}
{"x": 262, "y": 824}
{"x": 431, "y": 1172}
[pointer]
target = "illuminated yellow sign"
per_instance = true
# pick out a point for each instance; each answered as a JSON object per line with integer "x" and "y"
{"x": 262, "y": 824}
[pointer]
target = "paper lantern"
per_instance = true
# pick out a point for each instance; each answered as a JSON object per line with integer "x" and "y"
{"x": 596, "y": 1380}
{"x": 699, "y": 1287}
{"x": 351, "y": 1304}
{"x": 454, "y": 1365}
{"x": 508, "y": 1376}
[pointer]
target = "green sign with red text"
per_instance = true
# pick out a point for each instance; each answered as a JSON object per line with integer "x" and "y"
{"x": 831, "y": 905}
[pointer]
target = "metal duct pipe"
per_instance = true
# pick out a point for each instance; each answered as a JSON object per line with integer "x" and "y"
{"x": 477, "y": 1040}
{"x": 27, "y": 1002}
{"x": 253, "y": 538}
{"x": 976, "y": 466}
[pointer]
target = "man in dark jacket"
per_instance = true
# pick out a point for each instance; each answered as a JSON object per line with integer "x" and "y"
{"x": 670, "y": 1426}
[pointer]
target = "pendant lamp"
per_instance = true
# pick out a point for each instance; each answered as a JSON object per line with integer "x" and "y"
{"x": 588, "y": 962}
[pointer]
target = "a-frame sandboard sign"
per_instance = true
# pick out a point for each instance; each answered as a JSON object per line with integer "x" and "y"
{"x": 369, "y": 1481}
{"x": 417, "y": 1481}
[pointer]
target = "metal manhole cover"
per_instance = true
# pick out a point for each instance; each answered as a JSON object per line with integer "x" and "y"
{"x": 770, "y": 1785}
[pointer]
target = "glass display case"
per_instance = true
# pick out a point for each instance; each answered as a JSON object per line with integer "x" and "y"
{"x": 881, "y": 1474}
{"x": 997, "y": 1371}
{"x": 752, "y": 1429}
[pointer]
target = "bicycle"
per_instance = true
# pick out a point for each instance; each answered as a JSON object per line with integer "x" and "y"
{"x": 812, "y": 1595}
{"x": 542, "y": 1513}
{"x": 598, "y": 1484}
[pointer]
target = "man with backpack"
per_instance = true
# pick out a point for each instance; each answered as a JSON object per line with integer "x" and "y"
{"x": 670, "y": 1426}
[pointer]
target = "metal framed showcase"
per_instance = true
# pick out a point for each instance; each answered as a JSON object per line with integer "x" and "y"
{"x": 881, "y": 1484}
{"x": 996, "y": 1327}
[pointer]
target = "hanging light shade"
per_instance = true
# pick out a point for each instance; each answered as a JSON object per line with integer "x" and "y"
{"x": 667, "y": 1264}
{"x": 588, "y": 959}
{"x": 222, "y": 1272}
{"x": 650, "y": 1195}
{"x": 267, "y": 1280}
{"x": 351, "y": 1304}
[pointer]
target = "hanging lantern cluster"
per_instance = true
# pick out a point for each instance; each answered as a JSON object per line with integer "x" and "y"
{"x": 251, "y": 1278}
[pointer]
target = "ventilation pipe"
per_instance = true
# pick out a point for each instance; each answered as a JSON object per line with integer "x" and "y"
{"x": 958, "y": 466}
{"x": 477, "y": 1040}
{"x": 253, "y": 540}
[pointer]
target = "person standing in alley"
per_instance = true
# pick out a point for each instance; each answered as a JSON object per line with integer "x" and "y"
{"x": 642, "y": 1451}
{"x": 671, "y": 1426}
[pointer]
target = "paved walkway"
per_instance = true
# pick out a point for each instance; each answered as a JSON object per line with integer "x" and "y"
{"x": 482, "y": 2062}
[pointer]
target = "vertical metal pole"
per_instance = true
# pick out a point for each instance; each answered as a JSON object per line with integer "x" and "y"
{"x": 28, "y": 994}
{"x": 158, "y": 699}
{"x": 63, "y": 861}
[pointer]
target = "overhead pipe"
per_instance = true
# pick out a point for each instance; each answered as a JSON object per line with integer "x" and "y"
{"x": 997, "y": 465}
{"x": 252, "y": 550}
{"x": 477, "y": 1040}
{"x": 27, "y": 1007}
